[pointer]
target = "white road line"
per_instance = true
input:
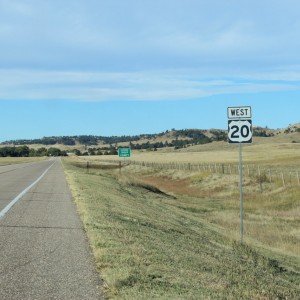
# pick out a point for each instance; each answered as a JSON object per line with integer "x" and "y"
{"x": 14, "y": 201}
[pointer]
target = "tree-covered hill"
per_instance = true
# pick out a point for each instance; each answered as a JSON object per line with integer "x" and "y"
{"x": 88, "y": 140}
{"x": 107, "y": 145}
{"x": 168, "y": 138}
{"x": 101, "y": 145}
{"x": 173, "y": 137}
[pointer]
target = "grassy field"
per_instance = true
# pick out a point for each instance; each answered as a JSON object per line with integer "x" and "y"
{"x": 18, "y": 160}
{"x": 169, "y": 234}
{"x": 283, "y": 156}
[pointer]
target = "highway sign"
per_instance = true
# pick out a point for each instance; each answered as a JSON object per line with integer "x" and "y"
{"x": 124, "y": 152}
{"x": 240, "y": 131}
{"x": 241, "y": 112}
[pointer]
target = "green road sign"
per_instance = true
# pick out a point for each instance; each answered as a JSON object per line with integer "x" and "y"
{"x": 124, "y": 152}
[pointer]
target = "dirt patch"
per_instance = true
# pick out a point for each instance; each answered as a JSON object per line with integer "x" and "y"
{"x": 151, "y": 188}
{"x": 173, "y": 186}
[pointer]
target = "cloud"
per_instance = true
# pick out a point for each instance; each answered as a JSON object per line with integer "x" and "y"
{"x": 109, "y": 86}
{"x": 147, "y": 50}
{"x": 147, "y": 34}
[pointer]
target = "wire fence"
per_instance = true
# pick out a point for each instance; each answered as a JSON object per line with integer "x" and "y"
{"x": 259, "y": 172}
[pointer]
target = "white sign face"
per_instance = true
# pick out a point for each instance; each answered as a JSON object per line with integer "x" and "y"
{"x": 242, "y": 112}
{"x": 240, "y": 131}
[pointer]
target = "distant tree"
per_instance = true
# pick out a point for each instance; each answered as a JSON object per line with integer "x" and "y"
{"x": 77, "y": 152}
{"x": 66, "y": 140}
{"x": 22, "y": 151}
{"x": 92, "y": 151}
{"x": 47, "y": 141}
{"x": 56, "y": 152}
{"x": 219, "y": 135}
{"x": 7, "y": 151}
{"x": 41, "y": 152}
{"x": 88, "y": 140}
{"x": 64, "y": 153}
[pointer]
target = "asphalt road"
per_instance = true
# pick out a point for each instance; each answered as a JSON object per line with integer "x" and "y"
{"x": 44, "y": 252}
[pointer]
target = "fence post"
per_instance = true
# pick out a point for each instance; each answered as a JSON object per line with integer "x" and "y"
{"x": 298, "y": 178}
{"x": 282, "y": 177}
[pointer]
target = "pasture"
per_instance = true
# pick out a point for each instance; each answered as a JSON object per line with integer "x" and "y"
{"x": 163, "y": 233}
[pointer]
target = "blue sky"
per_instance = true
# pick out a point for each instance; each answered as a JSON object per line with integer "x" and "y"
{"x": 144, "y": 66}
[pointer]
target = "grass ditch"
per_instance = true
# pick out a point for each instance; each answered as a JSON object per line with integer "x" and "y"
{"x": 272, "y": 212}
{"x": 148, "y": 245}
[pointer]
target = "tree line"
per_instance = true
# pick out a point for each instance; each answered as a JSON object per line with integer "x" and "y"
{"x": 149, "y": 146}
{"x": 181, "y": 139}
{"x": 196, "y": 135}
{"x": 88, "y": 140}
{"x": 25, "y": 151}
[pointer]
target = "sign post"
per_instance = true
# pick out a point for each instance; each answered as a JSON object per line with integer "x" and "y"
{"x": 123, "y": 152}
{"x": 241, "y": 195}
{"x": 240, "y": 131}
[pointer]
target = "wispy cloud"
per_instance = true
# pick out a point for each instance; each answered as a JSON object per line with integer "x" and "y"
{"x": 105, "y": 86}
{"x": 147, "y": 50}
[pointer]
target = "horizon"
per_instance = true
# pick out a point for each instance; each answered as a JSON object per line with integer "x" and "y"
{"x": 144, "y": 134}
{"x": 114, "y": 68}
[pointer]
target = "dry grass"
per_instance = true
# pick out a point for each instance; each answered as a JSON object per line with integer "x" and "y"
{"x": 172, "y": 234}
{"x": 221, "y": 152}
{"x": 168, "y": 234}
{"x": 19, "y": 160}
{"x": 271, "y": 215}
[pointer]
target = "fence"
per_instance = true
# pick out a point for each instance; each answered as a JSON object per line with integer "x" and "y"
{"x": 261, "y": 173}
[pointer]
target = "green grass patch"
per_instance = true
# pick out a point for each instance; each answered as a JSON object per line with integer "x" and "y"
{"x": 150, "y": 246}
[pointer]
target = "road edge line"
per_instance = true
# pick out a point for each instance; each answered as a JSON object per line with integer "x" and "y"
{"x": 16, "y": 199}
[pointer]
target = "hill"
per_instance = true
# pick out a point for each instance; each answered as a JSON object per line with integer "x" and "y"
{"x": 171, "y": 139}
